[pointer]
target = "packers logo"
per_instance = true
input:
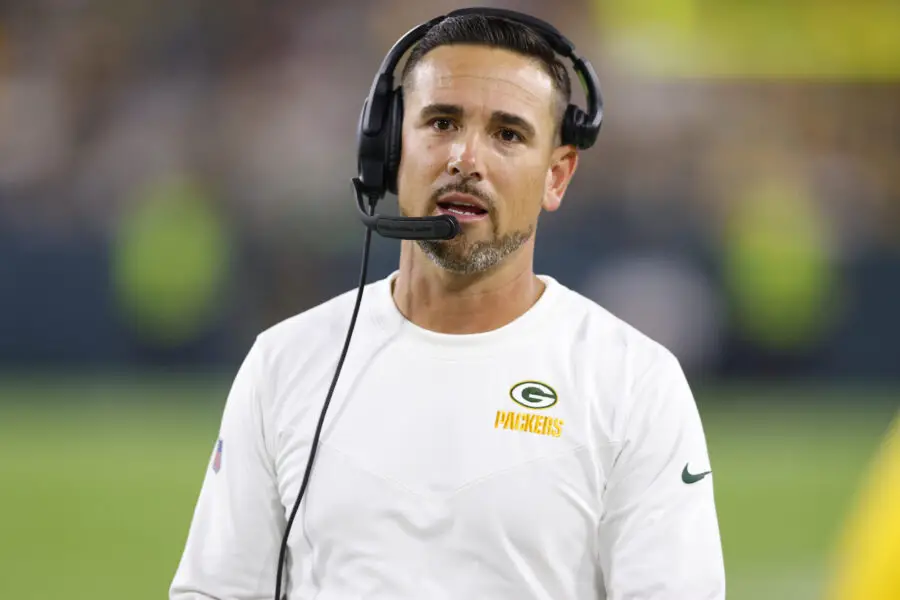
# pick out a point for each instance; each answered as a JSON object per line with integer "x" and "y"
{"x": 533, "y": 394}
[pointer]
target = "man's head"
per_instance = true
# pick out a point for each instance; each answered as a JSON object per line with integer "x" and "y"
{"x": 484, "y": 98}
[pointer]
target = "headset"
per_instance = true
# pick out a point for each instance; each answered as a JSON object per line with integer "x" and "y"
{"x": 381, "y": 122}
{"x": 379, "y": 151}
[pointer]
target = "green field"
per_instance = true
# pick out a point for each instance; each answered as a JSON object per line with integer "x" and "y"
{"x": 99, "y": 479}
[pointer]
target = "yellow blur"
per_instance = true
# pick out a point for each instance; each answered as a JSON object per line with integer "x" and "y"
{"x": 868, "y": 557}
{"x": 821, "y": 39}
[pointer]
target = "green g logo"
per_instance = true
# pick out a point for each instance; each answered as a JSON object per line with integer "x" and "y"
{"x": 533, "y": 394}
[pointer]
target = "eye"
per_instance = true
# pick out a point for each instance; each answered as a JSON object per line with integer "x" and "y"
{"x": 441, "y": 124}
{"x": 509, "y": 136}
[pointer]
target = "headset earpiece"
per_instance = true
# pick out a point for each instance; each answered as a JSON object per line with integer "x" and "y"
{"x": 394, "y": 141}
{"x": 576, "y": 128}
{"x": 569, "y": 129}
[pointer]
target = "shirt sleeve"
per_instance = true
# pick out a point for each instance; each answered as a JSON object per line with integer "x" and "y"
{"x": 659, "y": 532}
{"x": 234, "y": 537}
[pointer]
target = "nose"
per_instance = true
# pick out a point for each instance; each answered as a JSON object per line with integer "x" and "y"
{"x": 464, "y": 160}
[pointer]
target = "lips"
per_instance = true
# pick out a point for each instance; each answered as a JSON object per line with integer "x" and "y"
{"x": 462, "y": 206}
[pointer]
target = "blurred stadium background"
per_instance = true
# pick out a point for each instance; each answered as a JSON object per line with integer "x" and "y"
{"x": 174, "y": 178}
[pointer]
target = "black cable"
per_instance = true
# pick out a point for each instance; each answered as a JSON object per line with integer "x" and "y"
{"x": 315, "y": 441}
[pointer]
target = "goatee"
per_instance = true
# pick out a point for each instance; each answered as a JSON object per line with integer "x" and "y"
{"x": 458, "y": 256}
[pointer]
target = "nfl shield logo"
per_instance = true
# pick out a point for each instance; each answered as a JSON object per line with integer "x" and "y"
{"x": 217, "y": 459}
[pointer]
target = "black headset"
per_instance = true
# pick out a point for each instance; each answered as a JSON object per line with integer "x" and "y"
{"x": 381, "y": 122}
{"x": 378, "y": 162}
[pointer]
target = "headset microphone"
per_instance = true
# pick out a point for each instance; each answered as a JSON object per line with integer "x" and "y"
{"x": 442, "y": 227}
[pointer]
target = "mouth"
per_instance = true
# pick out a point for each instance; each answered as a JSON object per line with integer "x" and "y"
{"x": 462, "y": 206}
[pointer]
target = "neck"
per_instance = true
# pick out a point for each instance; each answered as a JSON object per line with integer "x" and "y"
{"x": 445, "y": 302}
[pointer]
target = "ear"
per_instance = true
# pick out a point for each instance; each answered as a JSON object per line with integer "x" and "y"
{"x": 563, "y": 163}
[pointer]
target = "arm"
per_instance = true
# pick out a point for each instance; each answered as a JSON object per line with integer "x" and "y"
{"x": 233, "y": 542}
{"x": 660, "y": 534}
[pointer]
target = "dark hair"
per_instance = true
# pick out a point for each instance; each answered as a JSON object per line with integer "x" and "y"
{"x": 496, "y": 32}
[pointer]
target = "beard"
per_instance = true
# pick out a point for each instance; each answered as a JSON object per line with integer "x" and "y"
{"x": 468, "y": 258}
{"x": 464, "y": 257}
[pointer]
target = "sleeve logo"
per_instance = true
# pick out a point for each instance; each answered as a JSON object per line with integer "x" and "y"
{"x": 688, "y": 477}
{"x": 217, "y": 458}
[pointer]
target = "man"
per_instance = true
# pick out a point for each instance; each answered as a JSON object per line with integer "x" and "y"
{"x": 493, "y": 434}
{"x": 867, "y": 559}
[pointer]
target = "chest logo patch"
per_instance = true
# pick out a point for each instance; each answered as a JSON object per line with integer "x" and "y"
{"x": 533, "y": 394}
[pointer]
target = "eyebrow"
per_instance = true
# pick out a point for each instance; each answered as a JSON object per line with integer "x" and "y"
{"x": 498, "y": 117}
{"x": 513, "y": 121}
{"x": 441, "y": 110}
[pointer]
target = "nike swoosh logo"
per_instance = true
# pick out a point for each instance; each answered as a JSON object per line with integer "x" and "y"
{"x": 688, "y": 477}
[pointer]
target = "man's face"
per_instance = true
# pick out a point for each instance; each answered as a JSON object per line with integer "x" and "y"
{"x": 479, "y": 132}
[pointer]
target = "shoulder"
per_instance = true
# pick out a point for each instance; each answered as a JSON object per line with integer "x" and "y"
{"x": 604, "y": 336}
{"x": 626, "y": 372}
{"x": 307, "y": 345}
{"x": 308, "y": 328}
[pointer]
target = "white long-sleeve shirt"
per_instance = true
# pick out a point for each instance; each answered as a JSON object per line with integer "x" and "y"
{"x": 556, "y": 458}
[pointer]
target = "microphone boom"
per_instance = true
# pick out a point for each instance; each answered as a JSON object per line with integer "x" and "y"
{"x": 441, "y": 227}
